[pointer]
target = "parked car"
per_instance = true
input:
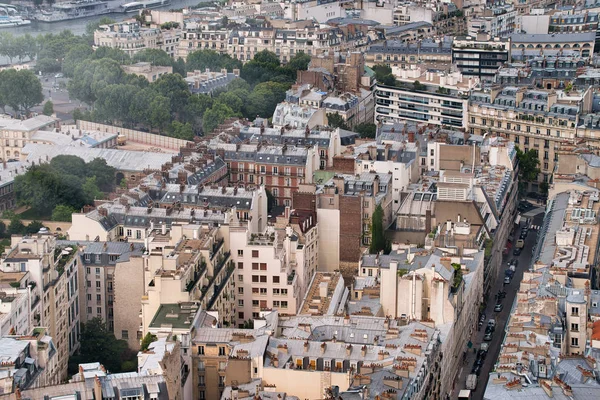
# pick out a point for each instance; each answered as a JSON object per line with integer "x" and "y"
{"x": 491, "y": 323}
{"x": 517, "y": 251}
{"x": 488, "y": 336}
{"x": 506, "y": 280}
{"x": 514, "y": 262}
{"x": 498, "y": 307}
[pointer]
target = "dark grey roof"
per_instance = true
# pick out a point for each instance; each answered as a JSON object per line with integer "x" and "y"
{"x": 424, "y": 47}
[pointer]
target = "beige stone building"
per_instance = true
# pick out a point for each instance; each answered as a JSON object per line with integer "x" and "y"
{"x": 552, "y": 312}
{"x": 536, "y": 120}
{"x": 27, "y": 361}
{"x": 147, "y": 70}
{"x": 98, "y": 279}
{"x": 52, "y": 276}
{"x": 131, "y": 38}
{"x": 15, "y": 134}
{"x": 273, "y": 268}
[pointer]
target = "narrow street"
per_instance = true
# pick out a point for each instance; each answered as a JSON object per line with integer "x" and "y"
{"x": 501, "y": 317}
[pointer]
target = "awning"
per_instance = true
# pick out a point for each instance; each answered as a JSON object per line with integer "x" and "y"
{"x": 518, "y": 219}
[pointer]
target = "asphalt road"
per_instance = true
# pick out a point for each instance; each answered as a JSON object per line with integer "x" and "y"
{"x": 501, "y": 317}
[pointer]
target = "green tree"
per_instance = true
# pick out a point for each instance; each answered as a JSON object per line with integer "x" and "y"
{"x": 300, "y": 61}
{"x": 33, "y": 227}
{"x": 181, "y": 131}
{"x": 68, "y": 165}
{"x": 202, "y": 59}
{"x": 175, "y": 89}
{"x": 91, "y": 191}
{"x": 384, "y": 75}
{"x": 378, "y": 240}
{"x": 154, "y": 57}
{"x": 264, "y": 98}
{"x": 234, "y": 100}
{"x": 158, "y": 112}
{"x": 113, "y": 103}
{"x": 544, "y": 186}
{"x": 335, "y": 120}
{"x": 104, "y": 174}
{"x": 111, "y": 53}
{"x": 62, "y": 213}
{"x": 366, "y": 130}
{"x": 149, "y": 338}
{"x": 9, "y": 46}
{"x": 77, "y": 55}
{"x": 48, "y": 108}
{"x": 16, "y": 226}
{"x": 217, "y": 114}
{"x": 22, "y": 89}
{"x": 91, "y": 27}
{"x": 528, "y": 167}
{"x": 98, "y": 344}
{"x": 91, "y": 77}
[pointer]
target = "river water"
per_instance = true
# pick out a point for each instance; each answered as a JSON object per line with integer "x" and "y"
{"x": 77, "y": 26}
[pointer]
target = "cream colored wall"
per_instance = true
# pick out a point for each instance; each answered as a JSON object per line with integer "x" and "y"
{"x": 389, "y": 290}
{"x": 129, "y": 288}
{"x": 305, "y": 384}
{"x": 329, "y": 239}
{"x": 84, "y": 228}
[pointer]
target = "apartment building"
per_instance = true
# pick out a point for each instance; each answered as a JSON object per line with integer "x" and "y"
{"x": 93, "y": 382}
{"x": 205, "y": 82}
{"x": 552, "y": 307}
{"x": 395, "y": 53}
{"x": 16, "y": 133}
{"x": 52, "y": 279}
{"x": 437, "y": 285}
{"x": 8, "y": 172}
{"x": 28, "y": 361}
{"x": 497, "y": 21}
{"x": 573, "y": 22}
{"x": 197, "y": 36}
{"x": 351, "y": 353}
{"x": 189, "y": 263}
{"x": 119, "y": 220}
{"x": 473, "y": 179}
{"x": 327, "y": 141}
{"x": 344, "y": 205}
{"x": 438, "y": 98}
{"x": 398, "y": 159}
{"x": 280, "y": 168}
{"x": 534, "y": 119}
{"x": 15, "y": 313}
{"x": 99, "y": 261}
{"x": 273, "y": 268}
{"x": 131, "y": 37}
{"x": 480, "y": 56}
{"x": 581, "y": 43}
